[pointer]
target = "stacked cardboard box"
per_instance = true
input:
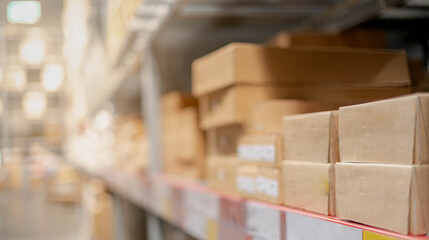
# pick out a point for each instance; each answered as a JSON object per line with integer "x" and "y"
{"x": 260, "y": 149}
{"x": 382, "y": 179}
{"x": 310, "y": 148}
{"x": 182, "y": 139}
{"x": 231, "y": 81}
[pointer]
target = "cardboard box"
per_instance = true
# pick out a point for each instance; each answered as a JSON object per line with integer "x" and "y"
{"x": 222, "y": 173}
{"x": 263, "y": 149}
{"x": 309, "y": 186}
{"x": 311, "y": 137}
{"x": 245, "y": 63}
{"x": 393, "y": 197}
{"x": 267, "y": 115}
{"x": 232, "y": 105}
{"x": 246, "y": 180}
{"x": 360, "y": 38}
{"x": 391, "y": 131}
{"x": 268, "y": 185}
{"x": 183, "y": 142}
{"x": 222, "y": 141}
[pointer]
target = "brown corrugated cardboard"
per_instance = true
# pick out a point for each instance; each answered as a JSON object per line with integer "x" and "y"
{"x": 232, "y": 105}
{"x": 222, "y": 141}
{"x": 246, "y": 180}
{"x": 311, "y": 137}
{"x": 268, "y": 185}
{"x": 393, "y": 197}
{"x": 266, "y": 116}
{"x": 393, "y": 131}
{"x": 182, "y": 140}
{"x": 262, "y": 149}
{"x": 361, "y": 38}
{"x": 221, "y": 173}
{"x": 309, "y": 186}
{"x": 241, "y": 63}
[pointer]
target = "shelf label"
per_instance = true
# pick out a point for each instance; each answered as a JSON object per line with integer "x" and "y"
{"x": 267, "y": 186}
{"x": 375, "y": 236}
{"x": 309, "y": 228}
{"x": 263, "y": 222}
{"x": 257, "y": 152}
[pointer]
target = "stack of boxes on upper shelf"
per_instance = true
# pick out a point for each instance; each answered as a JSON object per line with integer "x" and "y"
{"x": 244, "y": 90}
{"x": 273, "y": 131}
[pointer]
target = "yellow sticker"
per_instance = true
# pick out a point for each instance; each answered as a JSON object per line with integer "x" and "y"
{"x": 374, "y": 236}
{"x": 212, "y": 231}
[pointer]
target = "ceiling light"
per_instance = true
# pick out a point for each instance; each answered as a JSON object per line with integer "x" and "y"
{"x": 32, "y": 51}
{"x": 24, "y": 12}
{"x": 34, "y": 105}
{"x": 52, "y": 77}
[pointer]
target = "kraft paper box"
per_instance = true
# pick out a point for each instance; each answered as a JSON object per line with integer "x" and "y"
{"x": 245, "y": 63}
{"x": 262, "y": 149}
{"x": 233, "y": 105}
{"x": 222, "y": 141}
{"x": 221, "y": 173}
{"x": 183, "y": 143}
{"x": 266, "y": 116}
{"x": 393, "y": 131}
{"x": 388, "y": 196}
{"x": 246, "y": 180}
{"x": 309, "y": 186}
{"x": 268, "y": 185}
{"x": 360, "y": 38}
{"x": 176, "y": 100}
{"x": 311, "y": 137}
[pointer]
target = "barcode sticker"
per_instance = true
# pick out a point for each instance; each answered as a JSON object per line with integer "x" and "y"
{"x": 246, "y": 184}
{"x": 267, "y": 186}
{"x": 257, "y": 152}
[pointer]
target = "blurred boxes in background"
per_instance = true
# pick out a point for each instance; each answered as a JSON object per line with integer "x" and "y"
{"x": 183, "y": 141}
{"x": 98, "y": 209}
{"x": 131, "y": 146}
{"x": 222, "y": 173}
{"x": 65, "y": 186}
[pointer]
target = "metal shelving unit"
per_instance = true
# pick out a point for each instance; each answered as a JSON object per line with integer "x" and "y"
{"x": 141, "y": 55}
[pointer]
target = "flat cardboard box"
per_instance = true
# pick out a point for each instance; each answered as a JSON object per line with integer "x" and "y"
{"x": 393, "y": 131}
{"x": 222, "y": 141}
{"x": 233, "y": 104}
{"x": 267, "y": 115}
{"x": 388, "y": 196}
{"x": 246, "y": 180}
{"x": 268, "y": 185}
{"x": 262, "y": 149}
{"x": 309, "y": 186}
{"x": 311, "y": 137}
{"x": 245, "y": 63}
{"x": 222, "y": 173}
{"x": 360, "y": 38}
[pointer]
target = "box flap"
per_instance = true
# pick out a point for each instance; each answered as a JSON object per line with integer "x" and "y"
{"x": 334, "y": 152}
{"x": 374, "y": 194}
{"x": 379, "y": 132}
{"x": 421, "y": 195}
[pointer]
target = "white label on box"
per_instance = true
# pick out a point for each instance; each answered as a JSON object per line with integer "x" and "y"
{"x": 309, "y": 228}
{"x": 246, "y": 184}
{"x": 257, "y": 152}
{"x": 263, "y": 222}
{"x": 267, "y": 186}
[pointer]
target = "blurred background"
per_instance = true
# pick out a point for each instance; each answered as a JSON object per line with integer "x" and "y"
{"x": 95, "y": 89}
